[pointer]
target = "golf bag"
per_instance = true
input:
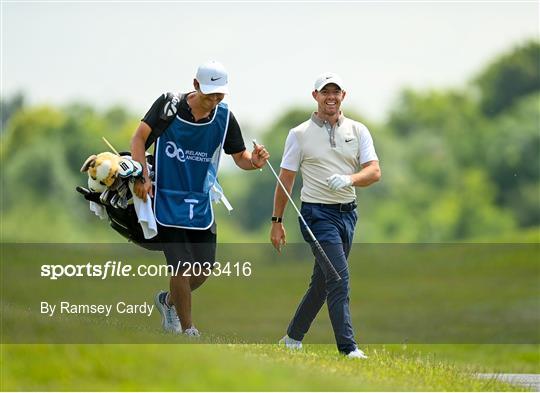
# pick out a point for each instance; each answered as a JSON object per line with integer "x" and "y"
{"x": 122, "y": 216}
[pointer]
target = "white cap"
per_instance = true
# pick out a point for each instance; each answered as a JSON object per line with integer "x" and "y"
{"x": 327, "y": 78}
{"x": 212, "y": 78}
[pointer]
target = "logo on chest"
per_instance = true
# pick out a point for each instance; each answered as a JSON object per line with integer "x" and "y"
{"x": 181, "y": 155}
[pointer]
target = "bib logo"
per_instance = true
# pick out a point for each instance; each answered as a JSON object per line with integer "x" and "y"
{"x": 173, "y": 151}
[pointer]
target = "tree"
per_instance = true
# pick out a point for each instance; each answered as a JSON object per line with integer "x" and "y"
{"x": 510, "y": 153}
{"x": 509, "y": 77}
{"x": 258, "y": 197}
{"x": 10, "y": 107}
{"x": 448, "y": 187}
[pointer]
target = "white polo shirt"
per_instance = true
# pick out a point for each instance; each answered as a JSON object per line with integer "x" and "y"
{"x": 320, "y": 151}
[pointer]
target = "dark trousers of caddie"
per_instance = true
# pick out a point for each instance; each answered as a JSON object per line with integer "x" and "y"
{"x": 333, "y": 226}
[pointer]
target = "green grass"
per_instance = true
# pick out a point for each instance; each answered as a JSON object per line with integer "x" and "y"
{"x": 484, "y": 358}
{"x": 430, "y": 294}
{"x": 395, "y": 296}
{"x": 235, "y": 368}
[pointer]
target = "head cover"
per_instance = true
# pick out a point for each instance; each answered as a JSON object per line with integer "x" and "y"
{"x": 327, "y": 78}
{"x": 212, "y": 78}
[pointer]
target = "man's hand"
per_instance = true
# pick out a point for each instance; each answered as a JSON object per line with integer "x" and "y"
{"x": 259, "y": 156}
{"x": 142, "y": 189}
{"x": 335, "y": 182}
{"x": 277, "y": 235}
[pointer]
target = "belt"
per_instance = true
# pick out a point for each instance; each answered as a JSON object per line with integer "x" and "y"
{"x": 342, "y": 207}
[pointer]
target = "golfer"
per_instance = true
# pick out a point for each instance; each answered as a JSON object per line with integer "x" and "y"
{"x": 335, "y": 154}
{"x": 187, "y": 156}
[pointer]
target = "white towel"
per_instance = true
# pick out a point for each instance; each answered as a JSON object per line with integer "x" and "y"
{"x": 144, "y": 214}
{"x": 98, "y": 210}
{"x": 217, "y": 196}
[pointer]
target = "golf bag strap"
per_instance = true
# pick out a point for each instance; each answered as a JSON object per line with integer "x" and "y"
{"x": 167, "y": 115}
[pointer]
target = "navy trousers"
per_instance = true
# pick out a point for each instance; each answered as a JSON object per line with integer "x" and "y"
{"x": 334, "y": 230}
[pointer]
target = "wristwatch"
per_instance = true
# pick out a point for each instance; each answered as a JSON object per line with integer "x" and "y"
{"x": 277, "y": 219}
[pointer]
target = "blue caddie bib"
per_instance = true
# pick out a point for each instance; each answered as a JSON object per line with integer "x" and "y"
{"x": 187, "y": 159}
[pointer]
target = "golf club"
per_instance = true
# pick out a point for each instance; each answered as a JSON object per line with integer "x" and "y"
{"x": 318, "y": 246}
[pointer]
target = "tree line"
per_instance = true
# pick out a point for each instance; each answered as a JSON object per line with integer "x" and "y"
{"x": 458, "y": 163}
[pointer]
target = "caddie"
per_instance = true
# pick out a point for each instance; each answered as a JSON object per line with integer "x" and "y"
{"x": 187, "y": 155}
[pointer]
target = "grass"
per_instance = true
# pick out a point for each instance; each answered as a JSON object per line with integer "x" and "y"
{"x": 430, "y": 295}
{"x": 154, "y": 367}
{"x": 482, "y": 358}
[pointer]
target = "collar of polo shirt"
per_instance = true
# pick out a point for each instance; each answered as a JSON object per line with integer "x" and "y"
{"x": 317, "y": 120}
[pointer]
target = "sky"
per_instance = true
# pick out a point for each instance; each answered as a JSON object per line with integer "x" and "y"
{"x": 128, "y": 53}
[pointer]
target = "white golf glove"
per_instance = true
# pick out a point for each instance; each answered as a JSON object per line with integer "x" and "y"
{"x": 335, "y": 182}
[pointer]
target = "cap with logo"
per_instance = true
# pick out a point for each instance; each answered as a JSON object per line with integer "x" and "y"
{"x": 212, "y": 78}
{"x": 327, "y": 78}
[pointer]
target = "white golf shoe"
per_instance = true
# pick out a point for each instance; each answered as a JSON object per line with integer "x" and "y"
{"x": 357, "y": 354}
{"x": 169, "y": 319}
{"x": 192, "y": 332}
{"x": 291, "y": 343}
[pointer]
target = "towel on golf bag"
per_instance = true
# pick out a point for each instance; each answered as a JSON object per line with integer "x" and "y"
{"x": 145, "y": 214}
{"x": 98, "y": 210}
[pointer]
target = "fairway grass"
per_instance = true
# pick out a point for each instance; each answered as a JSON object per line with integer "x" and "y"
{"x": 257, "y": 367}
{"x": 435, "y": 296}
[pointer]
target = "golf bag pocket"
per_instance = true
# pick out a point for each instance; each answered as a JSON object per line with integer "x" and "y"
{"x": 125, "y": 222}
{"x": 183, "y": 209}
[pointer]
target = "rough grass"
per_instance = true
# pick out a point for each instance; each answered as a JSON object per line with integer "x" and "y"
{"x": 155, "y": 367}
{"x": 499, "y": 294}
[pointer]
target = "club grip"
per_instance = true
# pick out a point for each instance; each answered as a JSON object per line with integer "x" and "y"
{"x": 331, "y": 269}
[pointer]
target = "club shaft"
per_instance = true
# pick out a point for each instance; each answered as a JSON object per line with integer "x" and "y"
{"x": 333, "y": 271}
{"x": 111, "y": 146}
{"x": 288, "y": 196}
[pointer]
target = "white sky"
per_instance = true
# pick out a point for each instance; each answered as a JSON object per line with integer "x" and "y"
{"x": 130, "y": 52}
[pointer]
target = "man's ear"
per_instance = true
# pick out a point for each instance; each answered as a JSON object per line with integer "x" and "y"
{"x": 89, "y": 163}
{"x": 343, "y": 96}
{"x": 314, "y": 94}
{"x": 196, "y": 84}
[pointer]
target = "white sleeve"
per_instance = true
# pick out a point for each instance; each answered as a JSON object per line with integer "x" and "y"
{"x": 292, "y": 155}
{"x": 367, "y": 150}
